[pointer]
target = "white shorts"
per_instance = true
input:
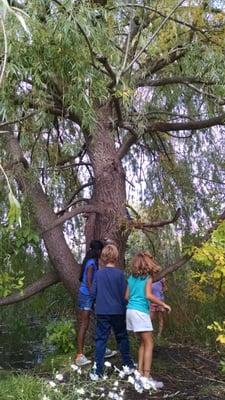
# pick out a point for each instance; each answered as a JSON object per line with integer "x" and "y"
{"x": 138, "y": 321}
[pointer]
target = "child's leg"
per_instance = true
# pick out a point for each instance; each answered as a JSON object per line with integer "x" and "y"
{"x": 84, "y": 318}
{"x": 141, "y": 351}
{"x": 147, "y": 340}
{"x": 102, "y": 333}
{"x": 161, "y": 323}
{"x": 120, "y": 331}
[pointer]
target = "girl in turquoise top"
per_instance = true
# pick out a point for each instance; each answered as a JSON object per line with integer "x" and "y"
{"x": 139, "y": 294}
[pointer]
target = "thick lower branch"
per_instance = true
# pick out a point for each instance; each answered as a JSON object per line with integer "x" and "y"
{"x": 44, "y": 282}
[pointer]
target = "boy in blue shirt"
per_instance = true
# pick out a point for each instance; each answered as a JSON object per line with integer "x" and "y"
{"x": 108, "y": 289}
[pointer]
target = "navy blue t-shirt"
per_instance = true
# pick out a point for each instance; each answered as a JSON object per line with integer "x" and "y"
{"x": 108, "y": 288}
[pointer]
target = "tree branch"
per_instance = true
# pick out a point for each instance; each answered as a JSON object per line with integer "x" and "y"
{"x": 187, "y": 257}
{"x": 130, "y": 139}
{"x": 173, "y": 80}
{"x": 153, "y": 36}
{"x": 43, "y": 283}
{"x": 156, "y": 224}
{"x": 173, "y": 267}
{"x": 161, "y": 126}
{"x": 78, "y": 210}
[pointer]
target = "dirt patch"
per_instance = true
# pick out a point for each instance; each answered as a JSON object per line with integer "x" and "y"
{"x": 188, "y": 373}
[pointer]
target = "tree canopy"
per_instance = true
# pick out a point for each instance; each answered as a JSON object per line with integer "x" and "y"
{"x": 108, "y": 107}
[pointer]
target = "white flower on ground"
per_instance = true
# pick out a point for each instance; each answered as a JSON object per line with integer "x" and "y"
{"x": 121, "y": 374}
{"x": 105, "y": 377}
{"x": 131, "y": 380}
{"x": 111, "y": 395}
{"x": 126, "y": 369}
{"x": 122, "y": 391}
{"x": 59, "y": 377}
{"x": 52, "y": 384}
{"x": 138, "y": 387}
{"x": 116, "y": 383}
{"x": 45, "y": 397}
{"x": 74, "y": 367}
{"x": 107, "y": 364}
{"x": 79, "y": 371}
{"x": 81, "y": 391}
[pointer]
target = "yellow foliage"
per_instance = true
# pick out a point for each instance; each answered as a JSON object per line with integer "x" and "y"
{"x": 218, "y": 328}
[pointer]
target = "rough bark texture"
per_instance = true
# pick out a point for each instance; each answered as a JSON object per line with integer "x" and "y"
{"x": 59, "y": 253}
{"x": 109, "y": 185}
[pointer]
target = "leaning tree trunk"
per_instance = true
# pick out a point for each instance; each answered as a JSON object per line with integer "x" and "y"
{"x": 58, "y": 251}
{"x": 109, "y": 185}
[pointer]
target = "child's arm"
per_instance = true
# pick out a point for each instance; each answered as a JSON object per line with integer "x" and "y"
{"x": 89, "y": 276}
{"x": 153, "y": 298}
{"x": 127, "y": 294}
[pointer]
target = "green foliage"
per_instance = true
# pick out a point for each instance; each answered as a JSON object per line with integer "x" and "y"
{"x": 61, "y": 334}
{"x": 21, "y": 387}
{"x": 9, "y": 283}
{"x": 209, "y": 278}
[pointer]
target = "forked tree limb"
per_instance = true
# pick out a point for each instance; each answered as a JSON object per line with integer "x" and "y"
{"x": 49, "y": 279}
{"x": 89, "y": 209}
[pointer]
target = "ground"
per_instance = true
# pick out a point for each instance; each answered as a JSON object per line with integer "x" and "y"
{"x": 188, "y": 374}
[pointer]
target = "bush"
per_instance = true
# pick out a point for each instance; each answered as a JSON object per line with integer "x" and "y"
{"x": 61, "y": 334}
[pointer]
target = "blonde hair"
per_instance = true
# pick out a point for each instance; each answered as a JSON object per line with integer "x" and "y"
{"x": 144, "y": 264}
{"x": 109, "y": 254}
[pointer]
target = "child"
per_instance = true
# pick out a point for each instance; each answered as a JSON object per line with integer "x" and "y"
{"x": 109, "y": 287}
{"x": 158, "y": 289}
{"x": 89, "y": 269}
{"x": 138, "y": 294}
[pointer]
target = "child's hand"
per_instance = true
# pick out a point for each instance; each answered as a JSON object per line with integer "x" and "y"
{"x": 167, "y": 307}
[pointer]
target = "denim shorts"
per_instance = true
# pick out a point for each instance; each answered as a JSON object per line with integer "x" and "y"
{"x": 85, "y": 302}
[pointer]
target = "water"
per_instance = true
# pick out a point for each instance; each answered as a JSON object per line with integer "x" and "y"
{"x": 21, "y": 348}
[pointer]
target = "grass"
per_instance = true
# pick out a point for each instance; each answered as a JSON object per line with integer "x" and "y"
{"x": 21, "y": 387}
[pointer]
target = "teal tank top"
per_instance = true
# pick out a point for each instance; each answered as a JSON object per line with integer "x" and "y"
{"x": 137, "y": 295}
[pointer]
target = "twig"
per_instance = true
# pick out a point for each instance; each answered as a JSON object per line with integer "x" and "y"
{"x": 153, "y": 36}
{"x": 5, "y": 51}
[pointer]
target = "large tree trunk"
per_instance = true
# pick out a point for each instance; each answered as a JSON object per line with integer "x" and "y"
{"x": 58, "y": 251}
{"x": 109, "y": 185}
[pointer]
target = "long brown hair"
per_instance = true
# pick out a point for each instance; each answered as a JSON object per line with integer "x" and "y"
{"x": 143, "y": 264}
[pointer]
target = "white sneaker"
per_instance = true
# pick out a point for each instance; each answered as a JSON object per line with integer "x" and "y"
{"x": 110, "y": 353}
{"x": 155, "y": 384}
{"x": 82, "y": 360}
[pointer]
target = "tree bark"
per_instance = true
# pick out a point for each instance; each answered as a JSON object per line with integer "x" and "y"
{"x": 58, "y": 251}
{"x": 108, "y": 186}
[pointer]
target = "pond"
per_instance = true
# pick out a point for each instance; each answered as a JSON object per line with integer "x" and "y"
{"x": 22, "y": 347}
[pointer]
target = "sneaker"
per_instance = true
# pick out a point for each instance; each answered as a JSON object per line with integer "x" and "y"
{"x": 155, "y": 384}
{"x": 110, "y": 353}
{"x": 82, "y": 360}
